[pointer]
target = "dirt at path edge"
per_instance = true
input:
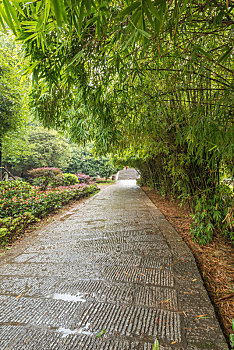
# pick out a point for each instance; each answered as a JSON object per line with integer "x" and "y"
{"x": 215, "y": 261}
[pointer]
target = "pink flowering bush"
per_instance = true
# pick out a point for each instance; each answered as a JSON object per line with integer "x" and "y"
{"x": 83, "y": 178}
{"x": 44, "y": 177}
{"x": 21, "y": 204}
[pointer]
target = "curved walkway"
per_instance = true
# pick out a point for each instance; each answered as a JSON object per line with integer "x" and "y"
{"x": 111, "y": 274}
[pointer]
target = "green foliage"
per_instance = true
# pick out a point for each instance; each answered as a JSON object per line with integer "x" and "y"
{"x": 44, "y": 177}
{"x": 69, "y": 179}
{"x": 213, "y": 210}
{"x": 11, "y": 90}
{"x": 13, "y": 104}
{"x": 3, "y": 231}
{"x": 10, "y": 226}
{"x": 45, "y": 149}
{"x": 232, "y": 335}
{"x": 82, "y": 161}
{"x": 40, "y": 148}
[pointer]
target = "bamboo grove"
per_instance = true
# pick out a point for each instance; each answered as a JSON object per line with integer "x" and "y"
{"x": 149, "y": 81}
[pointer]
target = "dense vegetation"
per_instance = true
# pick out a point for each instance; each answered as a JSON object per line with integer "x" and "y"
{"x": 22, "y": 204}
{"x": 149, "y": 81}
{"x": 13, "y": 105}
{"x": 40, "y": 147}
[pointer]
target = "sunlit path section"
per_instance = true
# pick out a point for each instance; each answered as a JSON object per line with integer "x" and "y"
{"x": 111, "y": 274}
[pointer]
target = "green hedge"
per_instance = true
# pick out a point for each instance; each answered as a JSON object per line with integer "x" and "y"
{"x": 22, "y": 204}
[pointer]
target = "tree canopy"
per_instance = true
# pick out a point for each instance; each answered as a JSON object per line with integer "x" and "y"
{"x": 11, "y": 91}
{"x": 86, "y": 54}
{"x": 149, "y": 81}
{"x": 45, "y": 149}
{"x": 13, "y": 106}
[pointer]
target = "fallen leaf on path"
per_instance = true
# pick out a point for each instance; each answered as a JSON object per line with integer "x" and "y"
{"x": 156, "y": 345}
{"x": 100, "y": 333}
{"x": 165, "y": 301}
{"x": 18, "y": 296}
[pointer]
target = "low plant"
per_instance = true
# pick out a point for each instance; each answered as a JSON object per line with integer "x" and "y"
{"x": 12, "y": 226}
{"x": 232, "y": 335}
{"x": 22, "y": 204}
{"x": 69, "y": 179}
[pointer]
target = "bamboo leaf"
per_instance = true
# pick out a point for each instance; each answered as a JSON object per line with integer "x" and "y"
{"x": 144, "y": 33}
{"x": 132, "y": 36}
{"x": 87, "y": 5}
{"x": 81, "y": 14}
{"x": 1, "y": 19}
{"x": 8, "y": 18}
{"x": 129, "y": 9}
{"x": 148, "y": 14}
{"x": 13, "y": 14}
{"x": 76, "y": 57}
{"x": 225, "y": 55}
{"x": 203, "y": 52}
{"x": 59, "y": 10}
{"x": 153, "y": 9}
{"x": 135, "y": 18}
{"x": 33, "y": 36}
{"x": 185, "y": 2}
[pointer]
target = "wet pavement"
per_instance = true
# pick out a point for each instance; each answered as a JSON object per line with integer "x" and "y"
{"x": 110, "y": 274}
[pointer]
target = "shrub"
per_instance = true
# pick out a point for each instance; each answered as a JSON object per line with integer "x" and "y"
{"x": 9, "y": 189}
{"x": 22, "y": 204}
{"x": 70, "y": 179}
{"x": 83, "y": 178}
{"x": 213, "y": 210}
{"x": 44, "y": 177}
{"x": 14, "y": 194}
{"x": 10, "y": 226}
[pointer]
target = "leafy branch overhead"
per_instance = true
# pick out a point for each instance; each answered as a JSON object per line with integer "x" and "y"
{"x": 149, "y": 81}
{"x": 67, "y": 39}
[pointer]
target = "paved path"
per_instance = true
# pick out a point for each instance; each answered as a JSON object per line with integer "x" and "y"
{"x": 113, "y": 264}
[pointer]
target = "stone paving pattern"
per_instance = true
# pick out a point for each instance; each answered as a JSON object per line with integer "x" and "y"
{"x": 114, "y": 263}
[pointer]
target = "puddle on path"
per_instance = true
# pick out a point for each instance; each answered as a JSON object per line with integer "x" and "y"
{"x": 82, "y": 330}
{"x": 68, "y": 297}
